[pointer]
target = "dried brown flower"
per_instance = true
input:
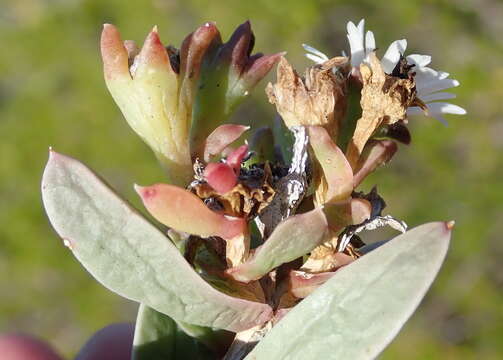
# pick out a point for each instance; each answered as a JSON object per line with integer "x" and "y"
{"x": 384, "y": 101}
{"x": 317, "y": 99}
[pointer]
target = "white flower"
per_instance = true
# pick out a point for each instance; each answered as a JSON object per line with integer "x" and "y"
{"x": 429, "y": 85}
{"x": 429, "y": 82}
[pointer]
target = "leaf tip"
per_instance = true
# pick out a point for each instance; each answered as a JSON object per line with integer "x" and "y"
{"x": 145, "y": 192}
{"x": 450, "y": 225}
{"x": 53, "y": 155}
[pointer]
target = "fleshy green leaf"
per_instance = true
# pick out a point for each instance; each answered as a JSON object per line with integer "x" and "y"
{"x": 149, "y": 101}
{"x": 228, "y": 73}
{"x": 336, "y": 169}
{"x": 362, "y": 307}
{"x": 375, "y": 154}
{"x": 130, "y": 256}
{"x": 220, "y": 138}
{"x": 176, "y": 207}
{"x": 157, "y": 337}
{"x": 293, "y": 237}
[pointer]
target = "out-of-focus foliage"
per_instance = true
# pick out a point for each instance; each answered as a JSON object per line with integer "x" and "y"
{"x": 52, "y": 93}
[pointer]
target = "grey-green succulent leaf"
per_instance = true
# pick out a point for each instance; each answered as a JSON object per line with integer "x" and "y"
{"x": 157, "y": 337}
{"x": 357, "y": 313}
{"x": 130, "y": 256}
{"x": 292, "y": 238}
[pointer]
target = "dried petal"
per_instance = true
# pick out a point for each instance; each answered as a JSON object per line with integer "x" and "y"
{"x": 384, "y": 101}
{"x": 311, "y": 101}
{"x": 326, "y": 258}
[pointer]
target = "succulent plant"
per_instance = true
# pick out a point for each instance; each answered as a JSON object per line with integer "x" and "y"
{"x": 258, "y": 252}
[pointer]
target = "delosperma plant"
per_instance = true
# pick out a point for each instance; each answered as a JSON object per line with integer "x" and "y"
{"x": 259, "y": 250}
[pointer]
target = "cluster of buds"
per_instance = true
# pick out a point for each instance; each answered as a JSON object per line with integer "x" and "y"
{"x": 270, "y": 221}
{"x": 174, "y": 98}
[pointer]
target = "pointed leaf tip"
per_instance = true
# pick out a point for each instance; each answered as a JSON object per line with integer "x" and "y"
{"x": 220, "y": 177}
{"x": 113, "y": 53}
{"x": 194, "y": 47}
{"x": 152, "y": 54}
{"x": 235, "y": 158}
{"x": 222, "y": 137}
{"x": 292, "y": 238}
{"x": 130, "y": 256}
{"x": 336, "y": 168}
{"x": 386, "y": 286}
{"x": 258, "y": 67}
{"x": 375, "y": 154}
{"x": 183, "y": 211}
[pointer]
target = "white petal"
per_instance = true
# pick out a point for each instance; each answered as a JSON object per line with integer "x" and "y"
{"x": 355, "y": 39}
{"x": 370, "y": 42}
{"x": 419, "y": 60}
{"x": 314, "y": 51}
{"x": 361, "y": 27}
{"x": 436, "y": 108}
{"x": 392, "y": 55}
{"x": 437, "y": 96}
{"x": 440, "y": 118}
{"x": 427, "y": 77}
{"x": 418, "y": 111}
{"x": 436, "y": 85}
{"x": 415, "y": 110}
{"x": 316, "y": 59}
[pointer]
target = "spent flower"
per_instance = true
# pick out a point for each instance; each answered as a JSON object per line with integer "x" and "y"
{"x": 429, "y": 82}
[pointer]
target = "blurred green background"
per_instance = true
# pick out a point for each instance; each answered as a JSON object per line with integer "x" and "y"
{"x": 52, "y": 93}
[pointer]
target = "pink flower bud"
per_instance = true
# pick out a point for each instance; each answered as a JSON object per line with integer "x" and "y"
{"x": 220, "y": 177}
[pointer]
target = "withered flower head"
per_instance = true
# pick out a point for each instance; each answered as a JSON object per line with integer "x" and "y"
{"x": 384, "y": 101}
{"x": 319, "y": 98}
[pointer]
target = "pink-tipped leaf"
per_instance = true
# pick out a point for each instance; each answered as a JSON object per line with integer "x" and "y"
{"x": 220, "y": 177}
{"x": 292, "y": 238}
{"x": 184, "y": 211}
{"x": 152, "y": 55}
{"x": 221, "y": 137}
{"x": 365, "y": 303}
{"x": 336, "y": 169}
{"x": 375, "y": 154}
{"x": 113, "y": 53}
{"x": 235, "y": 158}
{"x": 130, "y": 256}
